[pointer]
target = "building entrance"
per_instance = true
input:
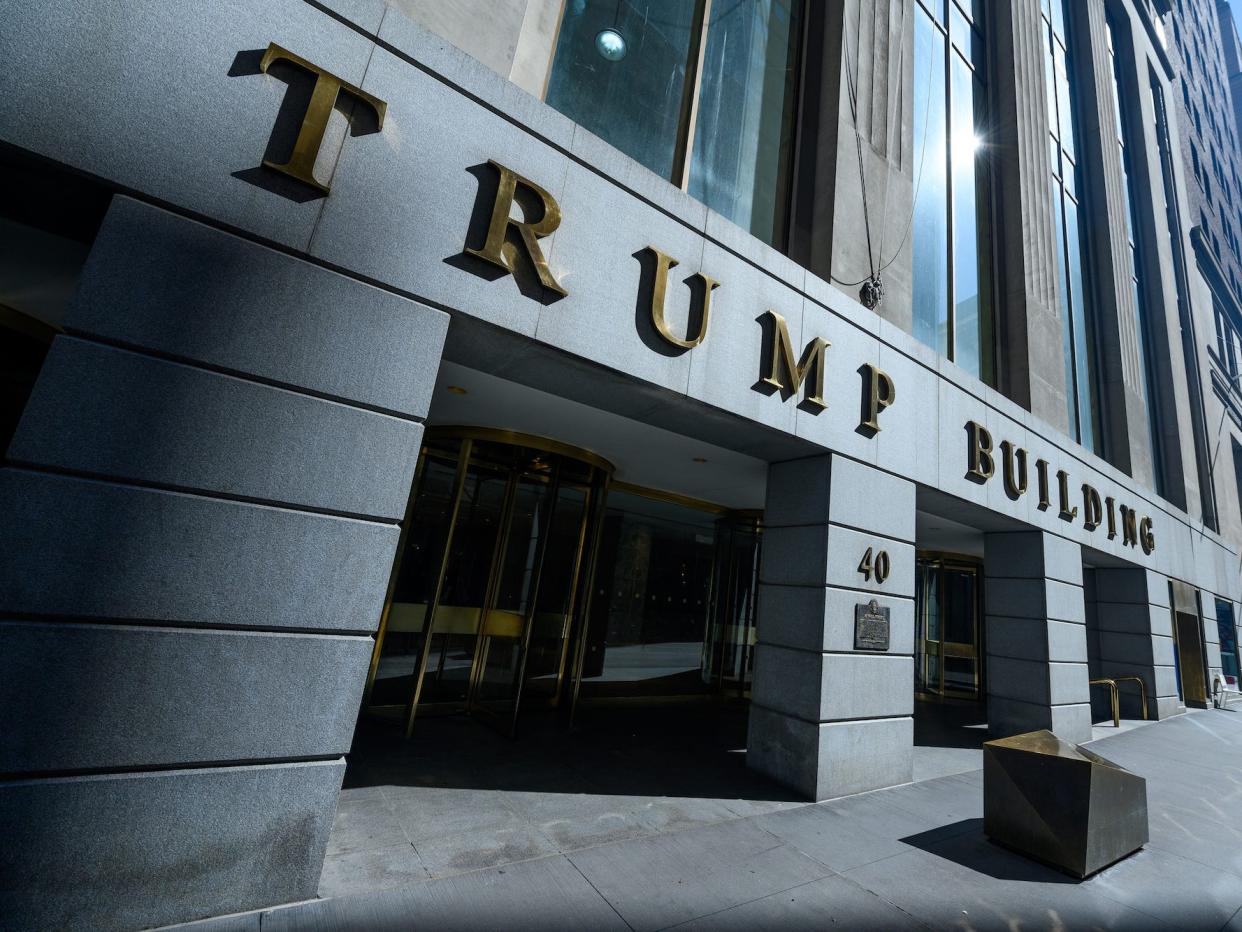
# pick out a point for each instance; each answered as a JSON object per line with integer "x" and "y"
{"x": 947, "y": 641}
{"x": 1188, "y": 652}
{"x": 488, "y": 577}
{"x": 527, "y": 579}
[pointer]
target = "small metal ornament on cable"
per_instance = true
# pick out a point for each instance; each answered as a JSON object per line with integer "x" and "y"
{"x": 872, "y": 292}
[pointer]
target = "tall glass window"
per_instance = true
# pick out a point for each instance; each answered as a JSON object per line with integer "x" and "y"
{"x": 1071, "y": 258}
{"x": 952, "y": 206}
{"x": 703, "y": 94}
{"x": 1228, "y": 638}
{"x": 1142, "y": 310}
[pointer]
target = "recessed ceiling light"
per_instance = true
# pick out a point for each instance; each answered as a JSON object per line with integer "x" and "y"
{"x": 457, "y": 390}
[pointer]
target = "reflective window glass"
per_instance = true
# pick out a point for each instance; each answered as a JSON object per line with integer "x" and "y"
{"x": 1080, "y": 391}
{"x": 627, "y": 70}
{"x": 1083, "y": 375}
{"x": 968, "y": 251}
{"x": 1050, "y": 87}
{"x": 1228, "y": 637}
{"x": 633, "y": 101}
{"x": 744, "y": 129}
{"x": 931, "y": 231}
{"x": 1066, "y": 124}
{"x": 951, "y": 250}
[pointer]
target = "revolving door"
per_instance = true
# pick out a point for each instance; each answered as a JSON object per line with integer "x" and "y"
{"x": 948, "y": 636}
{"x": 491, "y": 581}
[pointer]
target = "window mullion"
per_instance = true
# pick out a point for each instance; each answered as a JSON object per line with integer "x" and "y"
{"x": 947, "y": 84}
{"x": 690, "y": 95}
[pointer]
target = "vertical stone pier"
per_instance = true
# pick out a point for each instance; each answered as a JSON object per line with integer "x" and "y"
{"x": 203, "y": 499}
{"x": 829, "y": 716}
{"x": 1036, "y": 638}
{"x": 1135, "y": 635}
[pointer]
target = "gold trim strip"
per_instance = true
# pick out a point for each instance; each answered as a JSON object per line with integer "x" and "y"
{"x": 518, "y": 439}
{"x": 675, "y": 498}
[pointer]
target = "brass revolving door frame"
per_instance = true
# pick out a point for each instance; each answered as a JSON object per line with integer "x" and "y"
{"x": 932, "y": 561}
{"x": 555, "y": 475}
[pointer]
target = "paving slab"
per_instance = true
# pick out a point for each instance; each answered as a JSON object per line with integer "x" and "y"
{"x": 371, "y": 869}
{"x": 941, "y": 801}
{"x": 833, "y": 902}
{"x": 362, "y": 823}
{"x": 846, "y": 833}
{"x": 966, "y": 882}
{"x": 476, "y": 849}
{"x": 1209, "y": 841}
{"x": 661, "y": 881}
{"x": 1172, "y": 888}
{"x": 546, "y": 894}
{"x": 582, "y": 820}
{"x": 430, "y": 813}
{"x": 530, "y": 854}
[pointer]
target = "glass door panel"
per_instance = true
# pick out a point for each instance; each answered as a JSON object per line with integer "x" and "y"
{"x": 650, "y": 612}
{"x": 947, "y": 641}
{"x": 548, "y": 638}
{"x": 496, "y": 688}
{"x": 455, "y": 626}
{"x": 959, "y": 648}
{"x": 929, "y": 661}
{"x": 396, "y": 667}
{"x": 484, "y": 588}
{"x": 728, "y": 648}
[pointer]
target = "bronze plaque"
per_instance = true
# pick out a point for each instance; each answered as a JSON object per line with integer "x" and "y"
{"x": 871, "y": 626}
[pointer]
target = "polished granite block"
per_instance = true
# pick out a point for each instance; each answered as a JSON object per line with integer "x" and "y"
{"x": 1061, "y": 804}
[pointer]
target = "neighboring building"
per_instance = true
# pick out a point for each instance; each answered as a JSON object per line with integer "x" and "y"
{"x": 1204, "y": 47}
{"x": 826, "y": 355}
{"x": 1207, "y": 55}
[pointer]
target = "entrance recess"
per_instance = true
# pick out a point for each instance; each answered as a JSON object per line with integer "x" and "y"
{"x": 489, "y": 576}
{"x": 526, "y": 579}
{"x": 1188, "y": 651}
{"x": 673, "y": 607}
{"x": 947, "y": 628}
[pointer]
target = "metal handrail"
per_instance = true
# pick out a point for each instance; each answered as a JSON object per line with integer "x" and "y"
{"x": 1112, "y": 688}
{"x": 1142, "y": 689}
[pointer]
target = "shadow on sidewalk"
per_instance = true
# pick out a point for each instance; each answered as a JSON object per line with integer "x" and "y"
{"x": 964, "y": 843}
{"x": 678, "y": 749}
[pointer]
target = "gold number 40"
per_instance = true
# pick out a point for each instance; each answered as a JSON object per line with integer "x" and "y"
{"x": 877, "y": 566}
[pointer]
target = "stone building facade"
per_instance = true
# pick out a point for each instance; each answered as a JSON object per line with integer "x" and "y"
{"x": 388, "y": 357}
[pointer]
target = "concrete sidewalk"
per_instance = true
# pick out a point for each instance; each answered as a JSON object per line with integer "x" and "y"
{"x": 909, "y": 857}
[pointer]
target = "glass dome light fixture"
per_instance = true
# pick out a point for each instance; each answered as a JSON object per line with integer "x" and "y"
{"x": 610, "y": 44}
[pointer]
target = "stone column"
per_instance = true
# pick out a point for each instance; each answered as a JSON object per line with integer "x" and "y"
{"x": 1033, "y": 364}
{"x": 827, "y": 717}
{"x": 1135, "y": 635}
{"x": 1036, "y": 636}
{"x": 202, "y": 505}
{"x": 1115, "y": 333}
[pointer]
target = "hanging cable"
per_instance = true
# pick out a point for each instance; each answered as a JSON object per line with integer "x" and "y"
{"x": 872, "y": 286}
{"x": 889, "y": 127}
{"x": 852, "y": 93}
